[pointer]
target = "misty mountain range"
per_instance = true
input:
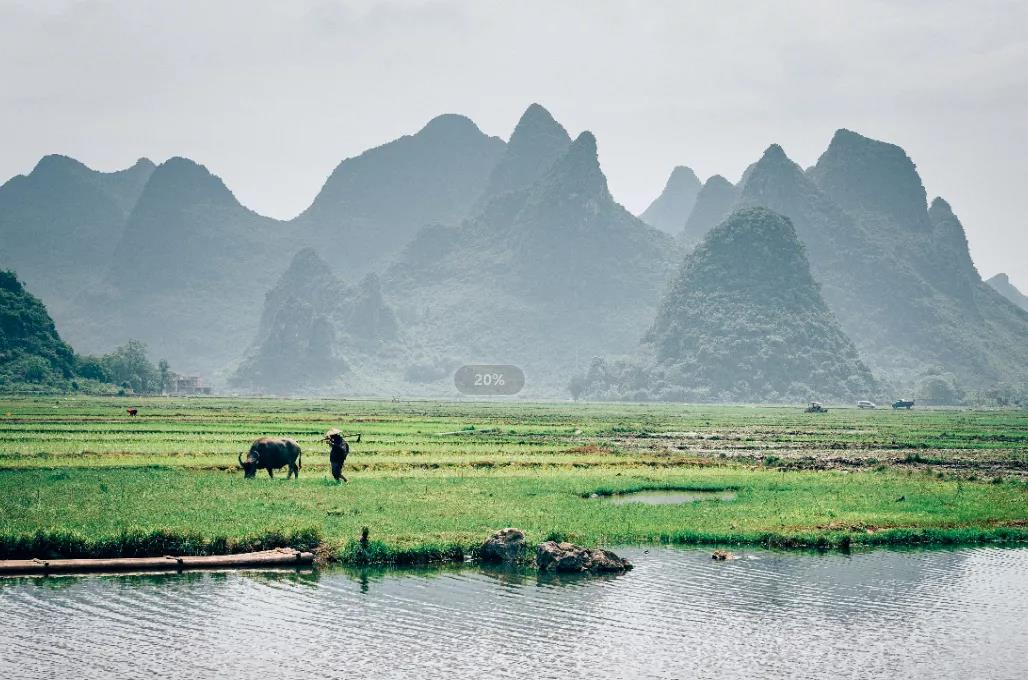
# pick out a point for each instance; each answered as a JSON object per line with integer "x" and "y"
{"x": 449, "y": 247}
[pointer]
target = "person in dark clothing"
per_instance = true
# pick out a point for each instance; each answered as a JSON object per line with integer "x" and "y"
{"x": 338, "y": 452}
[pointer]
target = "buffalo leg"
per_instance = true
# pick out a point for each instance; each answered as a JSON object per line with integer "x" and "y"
{"x": 271, "y": 474}
{"x": 294, "y": 471}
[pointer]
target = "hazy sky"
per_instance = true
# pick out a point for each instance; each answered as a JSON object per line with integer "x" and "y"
{"x": 271, "y": 96}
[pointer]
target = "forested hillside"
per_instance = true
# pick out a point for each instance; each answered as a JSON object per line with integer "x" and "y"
{"x": 31, "y": 351}
{"x": 450, "y": 246}
{"x": 743, "y": 320}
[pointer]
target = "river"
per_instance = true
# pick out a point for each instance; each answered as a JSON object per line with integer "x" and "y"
{"x": 958, "y": 613}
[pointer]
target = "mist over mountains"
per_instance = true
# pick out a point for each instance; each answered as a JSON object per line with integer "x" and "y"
{"x": 1001, "y": 284}
{"x": 449, "y": 246}
{"x": 670, "y": 211}
{"x": 61, "y": 223}
{"x": 713, "y": 203}
{"x": 742, "y": 316}
{"x": 373, "y": 204}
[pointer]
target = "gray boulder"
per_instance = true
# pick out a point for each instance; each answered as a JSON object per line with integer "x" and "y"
{"x": 571, "y": 558}
{"x": 506, "y": 546}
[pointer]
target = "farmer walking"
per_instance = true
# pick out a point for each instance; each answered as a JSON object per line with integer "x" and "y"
{"x": 338, "y": 452}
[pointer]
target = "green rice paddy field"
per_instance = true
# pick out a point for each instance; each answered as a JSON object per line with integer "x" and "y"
{"x": 430, "y": 480}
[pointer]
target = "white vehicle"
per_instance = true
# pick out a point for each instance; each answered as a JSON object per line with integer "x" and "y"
{"x": 864, "y": 403}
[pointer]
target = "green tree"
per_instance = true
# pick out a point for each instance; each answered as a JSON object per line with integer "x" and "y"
{"x": 129, "y": 365}
{"x": 92, "y": 368}
{"x": 941, "y": 389}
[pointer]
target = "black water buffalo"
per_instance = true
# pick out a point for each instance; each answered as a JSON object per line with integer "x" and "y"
{"x": 268, "y": 453}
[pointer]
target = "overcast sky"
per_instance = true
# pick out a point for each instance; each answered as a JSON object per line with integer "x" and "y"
{"x": 271, "y": 96}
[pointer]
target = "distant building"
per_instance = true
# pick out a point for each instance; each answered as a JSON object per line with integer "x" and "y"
{"x": 185, "y": 384}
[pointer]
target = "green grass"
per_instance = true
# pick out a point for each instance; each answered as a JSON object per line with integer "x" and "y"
{"x": 78, "y": 477}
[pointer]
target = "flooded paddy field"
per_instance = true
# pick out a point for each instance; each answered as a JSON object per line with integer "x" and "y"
{"x": 81, "y": 477}
{"x": 207, "y": 433}
{"x": 940, "y": 613}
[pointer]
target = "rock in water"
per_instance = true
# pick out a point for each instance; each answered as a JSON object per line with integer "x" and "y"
{"x": 506, "y": 546}
{"x": 571, "y": 558}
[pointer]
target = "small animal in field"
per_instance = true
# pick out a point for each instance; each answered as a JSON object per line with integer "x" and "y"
{"x": 269, "y": 453}
{"x": 133, "y": 411}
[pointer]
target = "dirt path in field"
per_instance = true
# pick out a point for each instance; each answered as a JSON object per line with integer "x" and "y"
{"x": 744, "y": 448}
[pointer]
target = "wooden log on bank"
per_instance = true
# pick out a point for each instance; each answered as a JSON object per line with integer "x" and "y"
{"x": 279, "y": 557}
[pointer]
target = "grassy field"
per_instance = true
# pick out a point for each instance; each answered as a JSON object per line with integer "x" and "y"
{"x": 431, "y": 480}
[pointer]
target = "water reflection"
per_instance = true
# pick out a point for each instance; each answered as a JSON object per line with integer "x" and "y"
{"x": 669, "y": 497}
{"x": 957, "y": 613}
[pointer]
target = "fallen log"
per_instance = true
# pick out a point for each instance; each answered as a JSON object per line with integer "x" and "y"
{"x": 279, "y": 557}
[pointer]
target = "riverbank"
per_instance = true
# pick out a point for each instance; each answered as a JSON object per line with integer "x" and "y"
{"x": 429, "y": 517}
{"x": 431, "y": 481}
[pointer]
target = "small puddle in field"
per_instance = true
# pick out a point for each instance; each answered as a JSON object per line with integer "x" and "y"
{"x": 669, "y": 497}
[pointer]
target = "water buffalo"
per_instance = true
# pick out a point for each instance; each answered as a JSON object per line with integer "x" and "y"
{"x": 271, "y": 454}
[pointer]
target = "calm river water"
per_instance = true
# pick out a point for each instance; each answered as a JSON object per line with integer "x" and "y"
{"x": 679, "y": 614}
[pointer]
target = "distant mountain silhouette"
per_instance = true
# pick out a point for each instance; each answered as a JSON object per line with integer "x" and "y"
{"x": 670, "y": 211}
{"x": 1001, "y": 284}
{"x": 743, "y": 320}
{"x": 31, "y": 351}
{"x": 509, "y": 252}
{"x": 188, "y": 275}
{"x": 875, "y": 182}
{"x": 60, "y": 224}
{"x": 899, "y": 279}
{"x": 543, "y": 277}
{"x": 713, "y": 204}
{"x": 373, "y": 204}
{"x": 314, "y": 327}
{"x": 536, "y": 144}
